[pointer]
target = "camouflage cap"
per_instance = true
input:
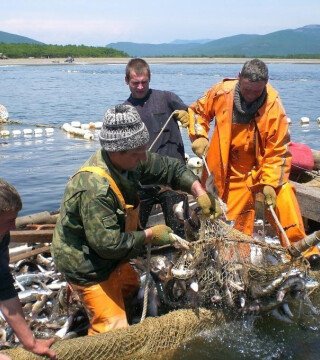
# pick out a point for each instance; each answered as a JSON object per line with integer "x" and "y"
{"x": 123, "y": 129}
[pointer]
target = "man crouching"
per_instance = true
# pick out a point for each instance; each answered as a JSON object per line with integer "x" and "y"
{"x": 96, "y": 233}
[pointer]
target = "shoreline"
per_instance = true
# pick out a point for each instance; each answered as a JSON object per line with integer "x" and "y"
{"x": 151, "y": 60}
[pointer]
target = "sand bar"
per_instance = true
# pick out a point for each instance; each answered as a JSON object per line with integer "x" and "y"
{"x": 151, "y": 60}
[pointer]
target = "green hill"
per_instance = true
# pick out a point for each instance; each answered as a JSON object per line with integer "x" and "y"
{"x": 285, "y": 43}
{"x": 8, "y": 38}
{"x": 16, "y": 51}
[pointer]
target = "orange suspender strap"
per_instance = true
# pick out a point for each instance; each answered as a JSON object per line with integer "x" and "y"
{"x": 98, "y": 170}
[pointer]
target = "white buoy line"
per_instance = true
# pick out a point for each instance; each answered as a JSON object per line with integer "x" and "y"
{"x": 85, "y": 130}
{"x": 30, "y": 132}
{"x": 305, "y": 120}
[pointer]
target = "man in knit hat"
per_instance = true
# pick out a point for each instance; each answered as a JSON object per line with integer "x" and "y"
{"x": 96, "y": 233}
{"x": 248, "y": 152}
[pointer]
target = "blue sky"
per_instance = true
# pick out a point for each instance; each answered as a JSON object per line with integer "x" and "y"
{"x": 99, "y": 22}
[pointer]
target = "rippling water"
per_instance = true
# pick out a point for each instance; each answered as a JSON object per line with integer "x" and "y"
{"x": 40, "y": 166}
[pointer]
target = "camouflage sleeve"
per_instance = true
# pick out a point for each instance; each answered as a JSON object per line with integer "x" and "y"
{"x": 164, "y": 170}
{"x": 104, "y": 224}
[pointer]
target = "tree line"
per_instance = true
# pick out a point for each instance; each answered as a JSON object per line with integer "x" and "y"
{"x": 57, "y": 51}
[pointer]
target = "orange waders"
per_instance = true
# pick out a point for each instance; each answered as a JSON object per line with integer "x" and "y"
{"x": 240, "y": 196}
{"x": 105, "y": 301}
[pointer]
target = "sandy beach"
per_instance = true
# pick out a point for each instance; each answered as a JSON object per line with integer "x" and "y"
{"x": 161, "y": 60}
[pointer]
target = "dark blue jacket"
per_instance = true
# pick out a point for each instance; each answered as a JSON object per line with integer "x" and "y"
{"x": 154, "y": 111}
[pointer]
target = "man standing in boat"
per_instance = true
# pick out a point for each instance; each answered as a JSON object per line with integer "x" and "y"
{"x": 96, "y": 233}
{"x": 154, "y": 108}
{"x": 248, "y": 152}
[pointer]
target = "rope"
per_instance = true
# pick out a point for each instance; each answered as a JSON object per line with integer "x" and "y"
{"x": 161, "y": 131}
{"x": 146, "y": 288}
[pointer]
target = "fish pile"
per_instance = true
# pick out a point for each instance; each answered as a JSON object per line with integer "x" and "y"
{"x": 226, "y": 269}
{"x": 217, "y": 267}
{"x": 51, "y": 309}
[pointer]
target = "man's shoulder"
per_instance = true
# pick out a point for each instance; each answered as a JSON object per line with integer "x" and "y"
{"x": 225, "y": 86}
{"x": 162, "y": 93}
{"x": 228, "y": 84}
{"x": 272, "y": 92}
{"x": 87, "y": 179}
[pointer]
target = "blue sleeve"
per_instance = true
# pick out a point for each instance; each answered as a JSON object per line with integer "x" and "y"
{"x": 7, "y": 290}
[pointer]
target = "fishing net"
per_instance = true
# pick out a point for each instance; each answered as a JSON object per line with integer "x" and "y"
{"x": 141, "y": 341}
{"x": 223, "y": 274}
{"x": 229, "y": 269}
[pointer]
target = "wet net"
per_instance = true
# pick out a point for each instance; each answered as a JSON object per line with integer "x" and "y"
{"x": 226, "y": 268}
{"x": 223, "y": 274}
{"x": 141, "y": 341}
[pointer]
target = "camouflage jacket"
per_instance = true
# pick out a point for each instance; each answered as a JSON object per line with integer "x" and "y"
{"x": 89, "y": 239}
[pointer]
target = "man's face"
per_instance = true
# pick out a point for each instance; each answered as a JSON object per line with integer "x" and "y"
{"x": 251, "y": 90}
{"x": 7, "y": 222}
{"x": 138, "y": 84}
{"x": 128, "y": 160}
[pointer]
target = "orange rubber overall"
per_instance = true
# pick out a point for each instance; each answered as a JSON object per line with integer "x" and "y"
{"x": 243, "y": 158}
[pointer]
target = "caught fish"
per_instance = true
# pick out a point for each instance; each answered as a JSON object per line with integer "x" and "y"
{"x": 32, "y": 294}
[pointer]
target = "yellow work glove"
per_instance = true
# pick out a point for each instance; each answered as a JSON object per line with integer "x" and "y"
{"x": 209, "y": 205}
{"x": 183, "y": 117}
{"x": 161, "y": 235}
{"x": 200, "y": 146}
{"x": 270, "y": 195}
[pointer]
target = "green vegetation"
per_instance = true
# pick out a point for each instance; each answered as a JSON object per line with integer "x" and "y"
{"x": 303, "y": 42}
{"x": 57, "y": 51}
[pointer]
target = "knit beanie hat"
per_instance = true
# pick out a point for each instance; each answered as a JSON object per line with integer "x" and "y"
{"x": 123, "y": 129}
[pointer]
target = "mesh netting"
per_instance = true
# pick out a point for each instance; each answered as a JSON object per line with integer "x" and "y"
{"x": 230, "y": 269}
{"x": 141, "y": 341}
{"x": 224, "y": 269}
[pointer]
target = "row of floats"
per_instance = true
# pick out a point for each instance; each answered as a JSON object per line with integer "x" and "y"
{"x": 305, "y": 120}
{"x": 87, "y": 130}
{"x": 83, "y": 130}
{"x": 27, "y": 132}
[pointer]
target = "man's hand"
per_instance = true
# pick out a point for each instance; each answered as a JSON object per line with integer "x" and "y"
{"x": 183, "y": 117}
{"x": 161, "y": 235}
{"x": 209, "y": 205}
{"x": 42, "y": 347}
{"x": 270, "y": 195}
{"x": 200, "y": 146}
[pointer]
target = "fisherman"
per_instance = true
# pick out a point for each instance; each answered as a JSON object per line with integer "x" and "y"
{"x": 96, "y": 232}
{"x": 154, "y": 108}
{"x": 248, "y": 152}
{"x": 10, "y": 205}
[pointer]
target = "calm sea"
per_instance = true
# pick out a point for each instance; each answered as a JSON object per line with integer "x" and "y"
{"x": 40, "y": 166}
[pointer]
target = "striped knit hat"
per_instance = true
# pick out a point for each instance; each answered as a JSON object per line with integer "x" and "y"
{"x": 123, "y": 129}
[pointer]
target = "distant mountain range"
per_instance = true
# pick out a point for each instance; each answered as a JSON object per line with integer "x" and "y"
{"x": 290, "y": 42}
{"x": 8, "y": 38}
{"x": 283, "y": 43}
